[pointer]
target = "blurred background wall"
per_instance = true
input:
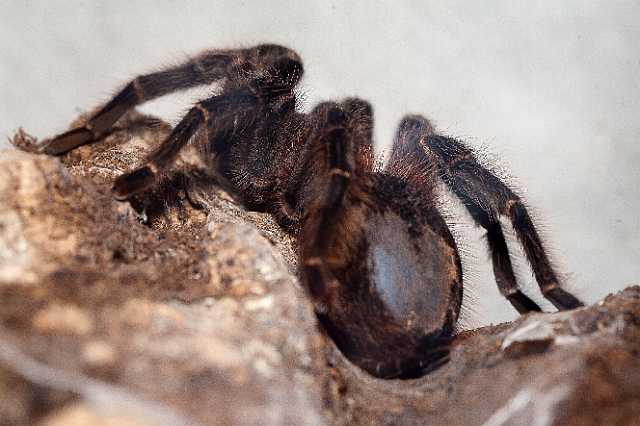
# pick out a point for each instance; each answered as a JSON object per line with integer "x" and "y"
{"x": 551, "y": 89}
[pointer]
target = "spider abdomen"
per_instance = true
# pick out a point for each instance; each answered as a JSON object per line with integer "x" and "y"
{"x": 400, "y": 292}
{"x": 410, "y": 274}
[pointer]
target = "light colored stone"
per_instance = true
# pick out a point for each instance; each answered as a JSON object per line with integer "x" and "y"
{"x": 83, "y": 415}
{"x": 63, "y": 319}
{"x": 98, "y": 353}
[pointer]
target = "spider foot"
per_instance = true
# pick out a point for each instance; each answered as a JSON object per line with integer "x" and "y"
{"x": 133, "y": 182}
{"x": 436, "y": 360}
{"x": 430, "y": 363}
{"x": 68, "y": 141}
{"x": 523, "y": 303}
{"x": 562, "y": 299}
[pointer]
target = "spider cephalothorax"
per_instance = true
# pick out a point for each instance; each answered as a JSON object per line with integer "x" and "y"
{"x": 375, "y": 254}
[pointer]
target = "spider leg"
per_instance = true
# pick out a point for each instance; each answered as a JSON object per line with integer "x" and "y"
{"x": 203, "y": 69}
{"x": 361, "y": 124}
{"x": 360, "y": 127}
{"x": 213, "y": 112}
{"x": 332, "y": 154}
{"x": 408, "y": 159}
{"x": 486, "y": 197}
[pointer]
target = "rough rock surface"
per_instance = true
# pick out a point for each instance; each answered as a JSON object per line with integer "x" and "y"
{"x": 182, "y": 308}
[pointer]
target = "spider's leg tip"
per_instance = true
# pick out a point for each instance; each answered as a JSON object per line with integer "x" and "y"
{"x": 67, "y": 141}
{"x": 563, "y": 300}
{"x": 133, "y": 182}
{"x": 523, "y": 303}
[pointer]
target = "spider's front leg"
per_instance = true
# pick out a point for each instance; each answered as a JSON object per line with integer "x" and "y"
{"x": 204, "y": 69}
{"x": 218, "y": 112}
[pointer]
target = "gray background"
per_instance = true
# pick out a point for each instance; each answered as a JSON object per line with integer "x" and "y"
{"x": 550, "y": 89}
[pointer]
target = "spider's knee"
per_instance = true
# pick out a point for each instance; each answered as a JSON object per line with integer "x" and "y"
{"x": 406, "y": 144}
{"x": 414, "y": 126}
{"x": 275, "y": 50}
{"x": 358, "y": 107}
{"x": 331, "y": 114}
{"x": 515, "y": 209}
{"x": 282, "y": 60}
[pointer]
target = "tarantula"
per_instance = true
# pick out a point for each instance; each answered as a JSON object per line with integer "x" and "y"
{"x": 375, "y": 254}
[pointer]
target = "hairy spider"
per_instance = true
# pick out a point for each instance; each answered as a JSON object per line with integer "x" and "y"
{"x": 376, "y": 256}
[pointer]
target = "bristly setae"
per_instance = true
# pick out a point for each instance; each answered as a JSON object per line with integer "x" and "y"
{"x": 376, "y": 256}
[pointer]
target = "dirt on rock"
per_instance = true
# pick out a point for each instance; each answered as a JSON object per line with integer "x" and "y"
{"x": 181, "y": 307}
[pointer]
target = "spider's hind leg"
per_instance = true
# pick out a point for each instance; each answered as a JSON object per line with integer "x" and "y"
{"x": 486, "y": 197}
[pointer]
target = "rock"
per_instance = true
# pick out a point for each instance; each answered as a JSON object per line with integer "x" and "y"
{"x": 99, "y": 354}
{"x": 197, "y": 317}
{"x": 59, "y": 319}
{"x": 81, "y": 415}
{"x": 183, "y": 308}
{"x": 534, "y": 337}
{"x": 570, "y": 368}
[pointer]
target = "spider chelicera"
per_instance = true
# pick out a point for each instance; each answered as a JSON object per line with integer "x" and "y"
{"x": 375, "y": 254}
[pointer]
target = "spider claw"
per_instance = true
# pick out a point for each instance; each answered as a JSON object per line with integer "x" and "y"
{"x": 437, "y": 361}
{"x": 133, "y": 182}
{"x": 562, "y": 299}
{"x": 430, "y": 363}
{"x": 523, "y": 303}
{"x": 67, "y": 141}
